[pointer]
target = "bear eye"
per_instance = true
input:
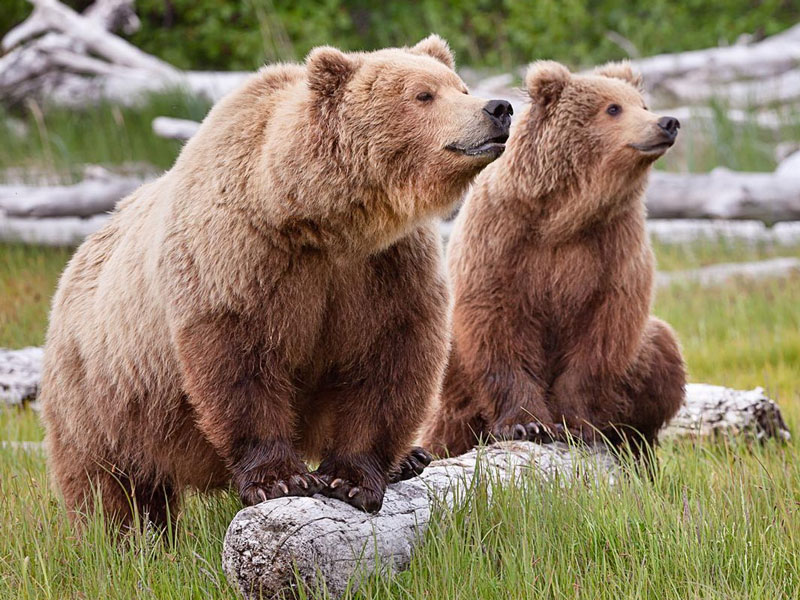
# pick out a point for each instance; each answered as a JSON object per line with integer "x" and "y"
{"x": 424, "y": 96}
{"x": 614, "y": 110}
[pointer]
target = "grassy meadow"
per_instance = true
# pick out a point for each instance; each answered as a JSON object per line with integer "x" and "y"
{"x": 717, "y": 520}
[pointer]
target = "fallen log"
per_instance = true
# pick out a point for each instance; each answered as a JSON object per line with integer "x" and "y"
{"x": 687, "y": 231}
{"x": 58, "y": 231}
{"x": 320, "y": 542}
{"x": 175, "y": 129}
{"x": 783, "y": 88}
{"x": 720, "y": 273}
{"x": 78, "y": 61}
{"x": 772, "y": 56}
{"x": 33, "y": 64}
{"x": 20, "y": 373}
{"x": 96, "y": 194}
{"x": 724, "y": 194}
{"x": 690, "y": 116}
{"x": 332, "y": 545}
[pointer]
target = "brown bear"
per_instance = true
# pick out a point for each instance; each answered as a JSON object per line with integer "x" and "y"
{"x": 278, "y": 295}
{"x": 552, "y": 275}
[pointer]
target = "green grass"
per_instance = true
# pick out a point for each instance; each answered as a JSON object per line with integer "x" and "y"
{"x": 28, "y": 277}
{"x": 61, "y": 139}
{"x": 717, "y": 521}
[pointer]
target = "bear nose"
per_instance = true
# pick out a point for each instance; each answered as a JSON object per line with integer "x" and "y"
{"x": 670, "y": 125}
{"x": 500, "y": 111}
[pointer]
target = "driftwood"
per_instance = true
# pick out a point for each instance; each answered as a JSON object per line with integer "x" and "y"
{"x": 323, "y": 542}
{"x": 692, "y": 116}
{"x": 59, "y": 231}
{"x": 769, "y": 68}
{"x": 686, "y": 231}
{"x": 175, "y": 129}
{"x": 724, "y": 194}
{"x": 20, "y": 372}
{"x": 329, "y": 543}
{"x": 333, "y": 545}
{"x": 720, "y": 273}
{"x": 96, "y": 194}
{"x": 78, "y": 60}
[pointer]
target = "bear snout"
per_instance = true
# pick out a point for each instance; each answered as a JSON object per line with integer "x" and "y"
{"x": 669, "y": 126}
{"x": 500, "y": 112}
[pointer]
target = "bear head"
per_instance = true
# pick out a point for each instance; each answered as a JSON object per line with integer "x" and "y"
{"x": 403, "y": 126}
{"x": 591, "y": 130}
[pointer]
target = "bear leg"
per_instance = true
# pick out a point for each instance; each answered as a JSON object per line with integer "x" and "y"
{"x": 656, "y": 385}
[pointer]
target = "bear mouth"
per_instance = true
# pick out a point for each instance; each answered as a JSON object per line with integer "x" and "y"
{"x": 656, "y": 149}
{"x": 492, "y": 146}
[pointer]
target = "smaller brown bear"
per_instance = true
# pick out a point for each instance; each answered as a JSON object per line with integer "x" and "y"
{"x": 552, "y": 275}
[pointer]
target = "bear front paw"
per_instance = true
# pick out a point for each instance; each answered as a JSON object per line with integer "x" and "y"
{"x": 358, "y": 496}
{"x": 531, "y": 432}
{"x": 300, "y": 484}
{"x": 411, "y": 465}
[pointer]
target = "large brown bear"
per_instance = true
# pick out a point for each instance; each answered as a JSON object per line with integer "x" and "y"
{"x": 552, "y": 274}
{"x": 277, "y": 295}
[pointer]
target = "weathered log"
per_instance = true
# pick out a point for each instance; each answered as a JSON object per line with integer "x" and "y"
{"x": 714, "y": 411}
{"x": 20, "y": 373}
{"x": 97, "y": 194}
{"x": 323, "y": 542}
{"x": 720, "y": 273}
{"x": 175, "y": 129}
{"x": 328, "y": 543}
{"x": 33, "y": 64}
{"x": 58, "y": 65}
{"x": 58, "y": 231}
{"x": 687, "y": 231}
{"x": 771, "y": 56}
{"x": 690, "y": 116}
{"x": 783, "y": 88}
{"x": 724, "y": 194}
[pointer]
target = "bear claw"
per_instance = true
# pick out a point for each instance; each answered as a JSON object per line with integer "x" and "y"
{"x": 356, "y": 496}
{"x": 305, "y": 484}
{"x": 411, "y": 465}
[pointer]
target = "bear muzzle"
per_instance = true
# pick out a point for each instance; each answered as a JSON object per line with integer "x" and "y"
{"x": 498, "y": 115}
{"x": 667, "y": 132}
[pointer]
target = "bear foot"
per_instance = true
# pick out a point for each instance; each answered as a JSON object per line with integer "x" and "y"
{"x": 530, "y": 432}
{"x": 411, "y": 465}
{"x": 299, "y": 484}
{"x": 357, "y": 496}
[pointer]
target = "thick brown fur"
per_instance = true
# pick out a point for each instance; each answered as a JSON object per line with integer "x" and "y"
{"x": 552, "y": 274}
{"x": 278, "y": 295}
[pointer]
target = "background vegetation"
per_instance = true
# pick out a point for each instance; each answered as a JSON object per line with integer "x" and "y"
{"x": 500, "y": 34}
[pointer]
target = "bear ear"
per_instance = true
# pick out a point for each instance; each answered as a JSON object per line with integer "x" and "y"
{"x": 545, "y": 80}
{"x": 328, "y": 70}
{"x": 436, "y": 47}
{"x": 621, "y": 70}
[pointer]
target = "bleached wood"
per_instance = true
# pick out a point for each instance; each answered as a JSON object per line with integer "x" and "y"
{"x": 20, "y": 373}
{"x": 771, "y": 56}
{"x": 91, "y": 196}
{"x": 175, "y": 129}
{"x": 692, "y": 116}
{"x": 58, "y": 231}
{"x": 687, "y": 231}
{"x": 720, "y": 273}
{"x": 329, "y": 543}
{"x": 724, "y": 194}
